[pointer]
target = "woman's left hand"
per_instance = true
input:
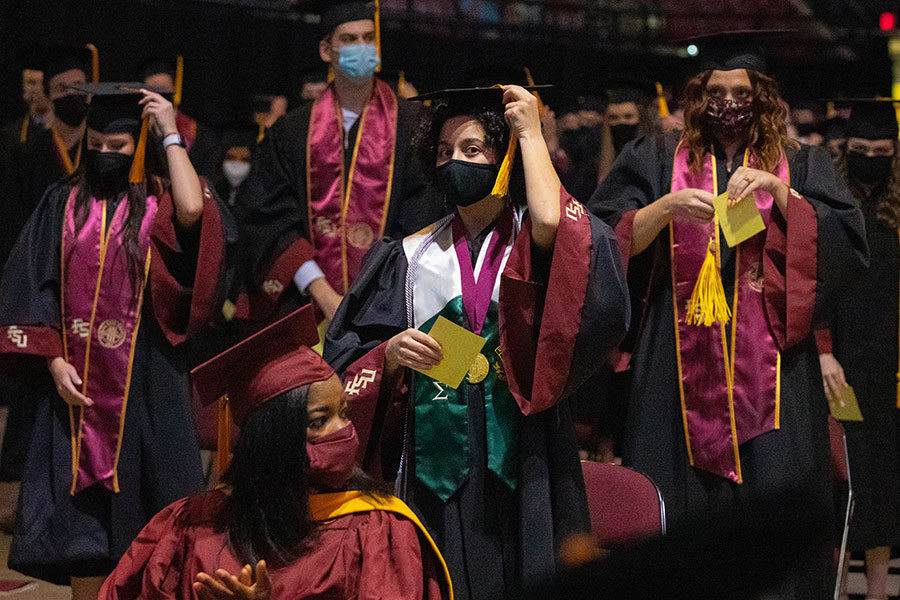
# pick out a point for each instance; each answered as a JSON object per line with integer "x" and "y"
{"x": 746, "y": 181}
{"x": 522, "y": 113}
{"x": 162, "y": 111}
{"x": 225, "y": 586}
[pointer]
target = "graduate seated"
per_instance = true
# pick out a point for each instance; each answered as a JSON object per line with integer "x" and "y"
{"x": 292, "y": 505}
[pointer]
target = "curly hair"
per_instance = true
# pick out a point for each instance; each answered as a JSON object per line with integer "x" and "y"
{"x": 888, "y": 194}
{"x": 426, "y": 137}
{"x": 768, "y": 133}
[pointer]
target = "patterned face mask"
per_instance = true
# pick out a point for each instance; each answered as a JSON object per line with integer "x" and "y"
{"x": 729, "y": 119}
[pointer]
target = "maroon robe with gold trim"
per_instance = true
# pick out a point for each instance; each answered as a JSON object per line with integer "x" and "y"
{"x": 366, "y": 556}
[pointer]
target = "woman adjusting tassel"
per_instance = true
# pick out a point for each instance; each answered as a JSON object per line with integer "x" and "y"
{"x": 112, "y": 273}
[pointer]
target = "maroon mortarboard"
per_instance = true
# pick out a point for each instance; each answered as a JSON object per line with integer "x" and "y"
{"x": 270, "y": 362}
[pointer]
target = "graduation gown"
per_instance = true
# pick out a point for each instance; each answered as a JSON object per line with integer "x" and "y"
{"x": 820, "y": 244}
{"x": 274, "y": 213}
{"x": 558, "y": 317}
{"x": 861, "y": 332}
{"x": 364, "y": 554}
{"x": 58, "y": 534}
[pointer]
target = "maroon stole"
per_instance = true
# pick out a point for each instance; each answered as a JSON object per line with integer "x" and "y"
{"x": 347, "y": 213}
{"x": 101, "y": 315}
{"x": 729, "y": 389}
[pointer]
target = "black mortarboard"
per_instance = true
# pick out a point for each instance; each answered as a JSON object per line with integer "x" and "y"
{"x": 114, "y": 108}
{"x": 60, "y": 59}
{"x": 621, "y": 89}
{"x": 729, "y": 50}
{"x": 474, "y": 97}
{"x": 340, "y": 12}
{"x": 873, "y": 119}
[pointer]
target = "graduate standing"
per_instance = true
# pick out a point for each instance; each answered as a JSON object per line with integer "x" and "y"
{"x": 491, "y": 466}
{"x": 293, "y": 519}
{"x": 333, "y": 176}
{"x": 725, "y": 406}
{"x": 111, "y": 274}
{"x": 858, "y": 344}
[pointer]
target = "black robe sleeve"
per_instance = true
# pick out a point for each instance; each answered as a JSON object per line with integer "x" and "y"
{"x": 29, "y": 288}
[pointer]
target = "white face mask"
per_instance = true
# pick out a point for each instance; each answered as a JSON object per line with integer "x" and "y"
{"x": 236, "y": 171}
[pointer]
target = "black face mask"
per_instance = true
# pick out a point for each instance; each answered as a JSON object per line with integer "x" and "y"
{"x": 71, "y": 109}
{"x": 622, "y": 134}
{"x": 107, "y": 172}
{"x": 868, "y": 169}
{"x": 464, "y": 183}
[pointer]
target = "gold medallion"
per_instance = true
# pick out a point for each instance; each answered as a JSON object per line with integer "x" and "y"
{"x": 479, "y": 369}
{"x": 360, "y": 235}
{"x": 111, "y": 333}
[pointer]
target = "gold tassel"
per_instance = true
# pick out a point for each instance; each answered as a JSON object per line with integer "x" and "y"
{"x": 501, "y": 185}
{"x": 708, "y": 304}
{"x": 898, "y": 390}
{"x": 661, "y": 99}
{"x": 95, "y": 62}
{"x": 378, "y": 34}
{"x": 179, "y": 80}
{"x": 223, "y": 441}
{"x": 261, "y": 134}
{"x": 330, "y": 73}
{"x": 137, "y": 165}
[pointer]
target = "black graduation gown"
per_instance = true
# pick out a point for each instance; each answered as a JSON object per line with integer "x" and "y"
{"x": 272, "y": 213}
{"x": 496, "y": 541}
{"x": 58, "y": 535}
{"x": 864, "y": 328}
{"x": 791, "y": 461}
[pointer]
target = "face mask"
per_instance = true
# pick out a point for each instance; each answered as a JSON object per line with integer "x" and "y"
{"x": 622, "y": 134}
{"x": 729, "y": 119}
{"x": 806, "y": 129}
{"x": 358, "y": 61}
{"x": 464, "y": 183}
{"x": 331, "y": 458}
{"x": 107, "y": 172}
{"x": 71, "y": 109}
{"x": 236, "y": 172}
{"x": 868, "y": 169}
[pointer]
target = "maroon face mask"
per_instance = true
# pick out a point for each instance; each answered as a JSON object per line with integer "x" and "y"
{"x": 331, "y": 458}
{"x": 729, "y": 119}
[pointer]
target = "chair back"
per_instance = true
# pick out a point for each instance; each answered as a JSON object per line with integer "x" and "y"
{"x": 625, "y": 505}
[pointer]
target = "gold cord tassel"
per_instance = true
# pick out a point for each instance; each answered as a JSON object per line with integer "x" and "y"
{"x": 179, "y": 80}
{"x": 95, "y": 62}
{"x": 501, "y": 185}
{"x": 378, "y": 34}
{"x": 661, "y": 100}
{"x": 708, "y": 304}
{"x": 137, "y": 165}
{"x": 223, "y": 433}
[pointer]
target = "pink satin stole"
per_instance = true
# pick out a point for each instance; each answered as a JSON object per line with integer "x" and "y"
{"x": 101, "y": 313}
{"x": 347, "y": 212}
{"x": 719, "y": 412}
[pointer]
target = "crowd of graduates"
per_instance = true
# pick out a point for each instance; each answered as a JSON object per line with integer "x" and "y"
{"x": 217, "y": 345}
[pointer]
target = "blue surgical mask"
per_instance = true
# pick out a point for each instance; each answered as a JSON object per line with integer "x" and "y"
{"x": 358, "y": 61}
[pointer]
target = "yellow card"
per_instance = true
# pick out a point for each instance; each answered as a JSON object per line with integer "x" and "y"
{"x": 740, "y": 222}
{"x": 461, "y": 347}
{"x": 846, "y": 407}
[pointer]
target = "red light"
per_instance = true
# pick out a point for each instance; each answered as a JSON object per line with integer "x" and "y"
{"x": 887, "y": 21}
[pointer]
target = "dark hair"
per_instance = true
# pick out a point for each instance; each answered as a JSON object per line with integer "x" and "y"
{"x": 768, "y": 135}
{"x": 137, "y": 207}
{"x": 426, "y": 137}
{"x": 267, "y": 514}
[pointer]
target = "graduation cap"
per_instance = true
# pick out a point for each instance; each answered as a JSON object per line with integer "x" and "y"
{"x": 59, "y": 59}
{"x": 742, "y": 49}
{"x": 267, "y": 364}
{"x": 114, "y": 108}
{"x": 872, "y": 118}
